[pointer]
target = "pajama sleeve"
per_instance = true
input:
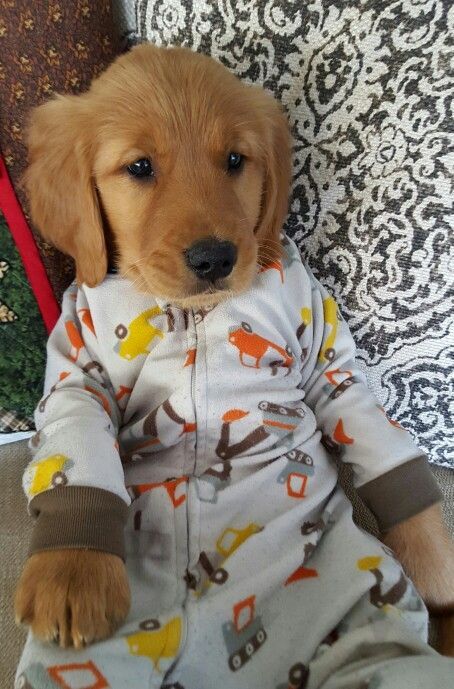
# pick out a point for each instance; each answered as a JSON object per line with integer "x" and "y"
{"x": 391, "y": 473}
{"x": 75, "y": 482}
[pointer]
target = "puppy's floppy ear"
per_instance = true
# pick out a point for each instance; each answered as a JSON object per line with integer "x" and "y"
{"x": 277, "y": 160}
{"x": 63, "y": 199}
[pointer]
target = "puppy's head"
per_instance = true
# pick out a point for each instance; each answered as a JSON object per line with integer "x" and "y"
{"x": 183, "y": 169}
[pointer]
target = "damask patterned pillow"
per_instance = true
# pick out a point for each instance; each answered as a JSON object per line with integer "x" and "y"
{"x": 366, "y": 88}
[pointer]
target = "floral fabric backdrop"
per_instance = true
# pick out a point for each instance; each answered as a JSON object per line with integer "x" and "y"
{"x": 368, "y": 91}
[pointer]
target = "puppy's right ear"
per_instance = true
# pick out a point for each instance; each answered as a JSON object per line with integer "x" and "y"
{"x": 60, "y": 185}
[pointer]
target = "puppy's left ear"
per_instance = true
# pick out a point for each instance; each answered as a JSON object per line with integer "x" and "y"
{"x": 278, "y": 169}
{"x": 60, "y": 184}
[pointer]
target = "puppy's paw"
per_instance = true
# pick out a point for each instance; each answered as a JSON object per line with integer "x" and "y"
{"x": 73, "y": 597}
{"x": 426, "y": 552}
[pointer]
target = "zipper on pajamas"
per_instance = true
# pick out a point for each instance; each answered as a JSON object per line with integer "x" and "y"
{"x": 193, "y": 382}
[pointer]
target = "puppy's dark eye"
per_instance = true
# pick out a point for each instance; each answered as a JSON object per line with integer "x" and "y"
{"x": 141, "y": 168}
{"x": 234, "y": 161}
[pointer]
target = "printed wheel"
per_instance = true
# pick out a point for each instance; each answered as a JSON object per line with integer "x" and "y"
{"x": 263, "y": 405}
{"x": 121, "y": 331}
{"x": 93, "y": 365}
{"x": 246, "y": 327}
{"x": 261, "y": 636}
{"x": 330, "y": 354}
{"x": 283, "y": 411}
{"x": 22, "y": 682}
{"x": 150, "y": 625}
{"x": 249, "y": 648}
{"x": 291, "y": 455}
{"x": 59, "y": 479}
{"x": 300, "y": 412}
{"x": 309, "y": 461}
{"x": 219, "y": 576}
{"x": 235, "y": 661}
{"x": 288, "y": 351}
{"x": 296, "y": 673}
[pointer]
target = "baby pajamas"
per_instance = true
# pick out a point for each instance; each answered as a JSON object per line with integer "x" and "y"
{"x": 198, "y": 446}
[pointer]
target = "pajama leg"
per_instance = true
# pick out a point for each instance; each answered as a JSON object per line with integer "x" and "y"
{"x": 142, "y": 651}
{"x": 287, "y": 599}
{"x": 380, "y": 655}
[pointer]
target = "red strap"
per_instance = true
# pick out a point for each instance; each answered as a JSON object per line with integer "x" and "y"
{"x": 25, "y": 243}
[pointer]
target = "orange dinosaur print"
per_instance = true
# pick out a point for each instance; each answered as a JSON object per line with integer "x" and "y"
{"x": 86, "y": 319}
{"x": 274, "y": 265}
{"x": 190, "y": 358}
{"x": 340, "y": 436}
{"x": 75, "y": 339}
{"x": 256, "y": 346}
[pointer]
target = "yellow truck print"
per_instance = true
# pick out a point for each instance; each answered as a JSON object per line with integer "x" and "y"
{"x": 156, "y": 642}
{"x": 228, "y": 542}
{"x": 330, "y": 316}
{"x": 47, "y": 473}
{"x": 136, "y": 338}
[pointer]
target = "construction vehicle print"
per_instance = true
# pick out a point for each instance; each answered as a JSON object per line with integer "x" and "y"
{"x": 144, "y": 437}
{"x": 174, "y": 487}
{"x": 200, "y": 314}
{"x": 255, "y": 347}
{"x": 280, "y": 420}
{"x": 43, "y": 402}
{"x": 225, "y": 449}
{"x": 244, "y": 635}
{"x": 85, "y": 317}
{"x": 336, "y": 443}
{"x": 43, "y": 474}
{"x": 298, "y": 677}
{"x": 338, "y": 382}
{"x": 331, "y": 317}
{"x": 277, "y": 420}
{"x": 214, "y": 479}
{"x": 378, "y": 597}
{"x": 306, "y": 319}
{"x": 155, "y": 641}
{"x": 212, "y": 564}
{"x": 69, "y": 676}
{"x": 75, "y": 340}
{"x": 136, "y": 338}
{"x": 296, "y": 473}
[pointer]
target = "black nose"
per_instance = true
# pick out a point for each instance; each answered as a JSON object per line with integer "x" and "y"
{"x": 211, "y": 259}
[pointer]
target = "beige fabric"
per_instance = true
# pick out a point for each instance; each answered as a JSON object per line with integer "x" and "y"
{"x": 14, "y": 540}
{"x": 15, "y": 535}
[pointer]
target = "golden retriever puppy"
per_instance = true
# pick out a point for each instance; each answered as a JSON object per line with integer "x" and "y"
{"x": 177, "y": 174}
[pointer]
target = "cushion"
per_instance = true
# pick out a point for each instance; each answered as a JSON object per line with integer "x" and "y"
{"x": 45, "y": 47}
{"x": 366, "y": 88}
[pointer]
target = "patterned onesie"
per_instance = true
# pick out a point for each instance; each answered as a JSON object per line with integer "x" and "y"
{"x": 198, "y": 445}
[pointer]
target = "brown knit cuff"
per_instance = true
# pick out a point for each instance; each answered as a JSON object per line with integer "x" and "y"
{"x": 401, "y": 493}
{"x": 78, "y": 517}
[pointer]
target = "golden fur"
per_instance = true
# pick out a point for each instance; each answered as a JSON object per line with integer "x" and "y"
{"x": 186, "y": 113}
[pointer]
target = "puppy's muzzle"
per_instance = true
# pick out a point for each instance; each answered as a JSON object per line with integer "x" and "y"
{"x": 211, "y": 259}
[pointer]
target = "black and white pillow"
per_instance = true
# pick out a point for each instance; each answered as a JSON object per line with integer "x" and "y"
{"x": 368, "y": 91}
